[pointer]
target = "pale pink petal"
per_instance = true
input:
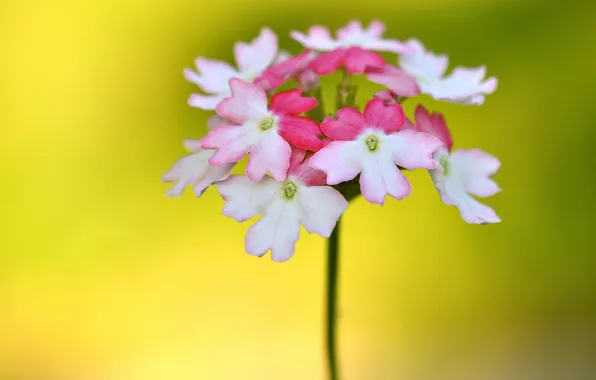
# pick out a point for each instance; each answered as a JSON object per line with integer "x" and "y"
{"x": 308, "y": 80}
{"x": 380, "y": 177}
{"x": 293, "y": 64}
{"x": 398, "y": 81}
{"x": 291, "y": 102}
{"x": 387, "y": 118}
{"x": 348, "y": 126}
{"x": 247, "y": 102}
{"x": 351, "y": 29}
{"x": 340, "y": 160}
{"x": 422, "y": 62}
{"x": 301, "y": 132}
{"x": 388, "y": 97}
{"x": 328, "y": 63}
{"x": 321, "y": 207}
{"x": 318, "y": 38}
{"x": 473, "y": 168}
{"x": 213, "y": 76}
{"x": 433, "y": 124}
{"x": 257, "y": 55}
{"x": 357, "y": 60}
{"x": 270, "y": 155}
{"x": 215, "y": 121}
{"x": 413, "y": 150}
{"x": 232, "y": 142}
{"x": 375, "y": 29}
{"x": 278, "y": 230}
{"x": 307, "y": 175}
{"x": 246, "y": 199}
{"x": 269, "y": 81}
{"x": 408, "y": 125}
{"x": 470, "y": 209}
{"x": 205, "y": 102}
{"x": 192, "y": 145}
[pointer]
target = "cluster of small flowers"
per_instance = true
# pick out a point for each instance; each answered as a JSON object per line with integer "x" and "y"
{"x": 300, "y": 168}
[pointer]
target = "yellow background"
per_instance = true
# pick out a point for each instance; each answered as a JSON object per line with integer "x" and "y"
{"x": 104, "y": 278}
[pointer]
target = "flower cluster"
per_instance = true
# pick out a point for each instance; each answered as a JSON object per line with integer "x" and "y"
{"x": 303, "y": 167}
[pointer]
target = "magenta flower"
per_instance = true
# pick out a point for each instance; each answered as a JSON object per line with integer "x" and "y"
{"x": 301, "y": 199}
{"x": 213, "y": 77}
{"x": 354, "y": 48}
{"x": 461, "y": 173}
{"x": 264, "y": 132}
{"x": 371, "y": 144}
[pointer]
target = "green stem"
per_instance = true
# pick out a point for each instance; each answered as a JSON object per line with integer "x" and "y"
{"x": 332, "y": 269}
{"x": 317, "y": 113}
{"x": 346, "y": 92}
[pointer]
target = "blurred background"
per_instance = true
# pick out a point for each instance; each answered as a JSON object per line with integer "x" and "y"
{"x": 104, "y": 278}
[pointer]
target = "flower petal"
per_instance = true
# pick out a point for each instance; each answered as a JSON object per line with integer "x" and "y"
{"x": 413, "y": 150}
{"x": 247, "y": 102}
{"x": 398, "y": 81}
{"x": 256, "y": 56}
{"x": 388, "y": 118}
{"x": 278, "y": 230}
{"x": 358, "y": 60}
{"x": 215, "y": 121}
{"x": 291, "y": 102}
{"x": 307, "y": 175}
{"x": 340, "y": 160}
{"x": 380, "y": 177}
{"x": 232, "y": 142}
{"x": 301, "y": 132}
{"x": 433, "y": 124}
{"x": 422, "y": 62}
{"x": 317, "y": 38}
{"x": 246, "y": 199}
{"x": 213, "y": 76}
{"x": 328, "y": 63}
{"x": 470, "y": 209}
{"x": 348, "y": 126}
{"x": 320, "y": 209}
{"x": 270, "y": 155}
{"x": 473, "y": 168}
{"x": 291, "y": 65}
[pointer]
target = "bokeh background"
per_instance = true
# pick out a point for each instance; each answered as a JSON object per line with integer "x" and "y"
{"x": 104, "y": 278}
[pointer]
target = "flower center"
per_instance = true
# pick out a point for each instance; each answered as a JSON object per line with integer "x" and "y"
{"x": 290, "y": 190}
{"x": 372, "y": 143}
{"x": 266, "y": 123}
{"x": 444, "y": 161}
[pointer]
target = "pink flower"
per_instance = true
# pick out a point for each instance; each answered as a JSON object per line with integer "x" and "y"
{"x": 264, "y": 132}
{"x": 213, "y": 77}
{"x": 463, "y": 85}
{"x": 372, "y": 144}
{"x": 353, "y": 48}
{"x": 296, "y": 67}
{"x": 301, "y": 199}
{"x": 461, "y": 173}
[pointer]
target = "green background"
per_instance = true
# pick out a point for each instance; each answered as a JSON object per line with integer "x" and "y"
{"x": 103, "y": 277}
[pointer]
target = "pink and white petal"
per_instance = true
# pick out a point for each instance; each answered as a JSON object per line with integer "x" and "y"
{"x": 387, "y": 118}
{"x": 422, "y": 61}
{"x": 473, "y": 168}
{"x": 192, "y": 145}
{"x": 434, "y": 124}
{"x": 186, "y": 172}
{"x": 471, "y": 210}
{"x": 380, "y": 177}
{"x": 340, "y": 160}
{"x": 293, "y": 64}
{"x": 348, "y": 126}
{"x": 408, "y": 126}
{"x": 300, "y": 131}
{"x": 269, "y": 81}
{"x": 278, "y": 230}
{"x": 307, "y": 175}
{"x": 282, "y": 56}
{"x": 270, "y": 155}
{"x": 213, "y": 76}
{"x": 215, "y": 121}
{"x": 375, "y": 29}
{"x": 291, "y": 102}
{"x": 246, "y": 199}
{"x": 352, "y": 29}
{"x": 328, "y": 63}
{"x": 232, "y": 142}
{"x": 247, "y": 102}
{"x": 205, "y": 102}
{"x": 413, "y": 150}
{"x": 358, "y": 60}
{"x": 391, "y": 45}
{"x": 257, "y": 55}
{"x": 320, "y": 209}
{"x": 212, "y": 175}
{"x": 317, "y": 38}
{"x": 296, "y": 159}
{"x": 398, "y": 81}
